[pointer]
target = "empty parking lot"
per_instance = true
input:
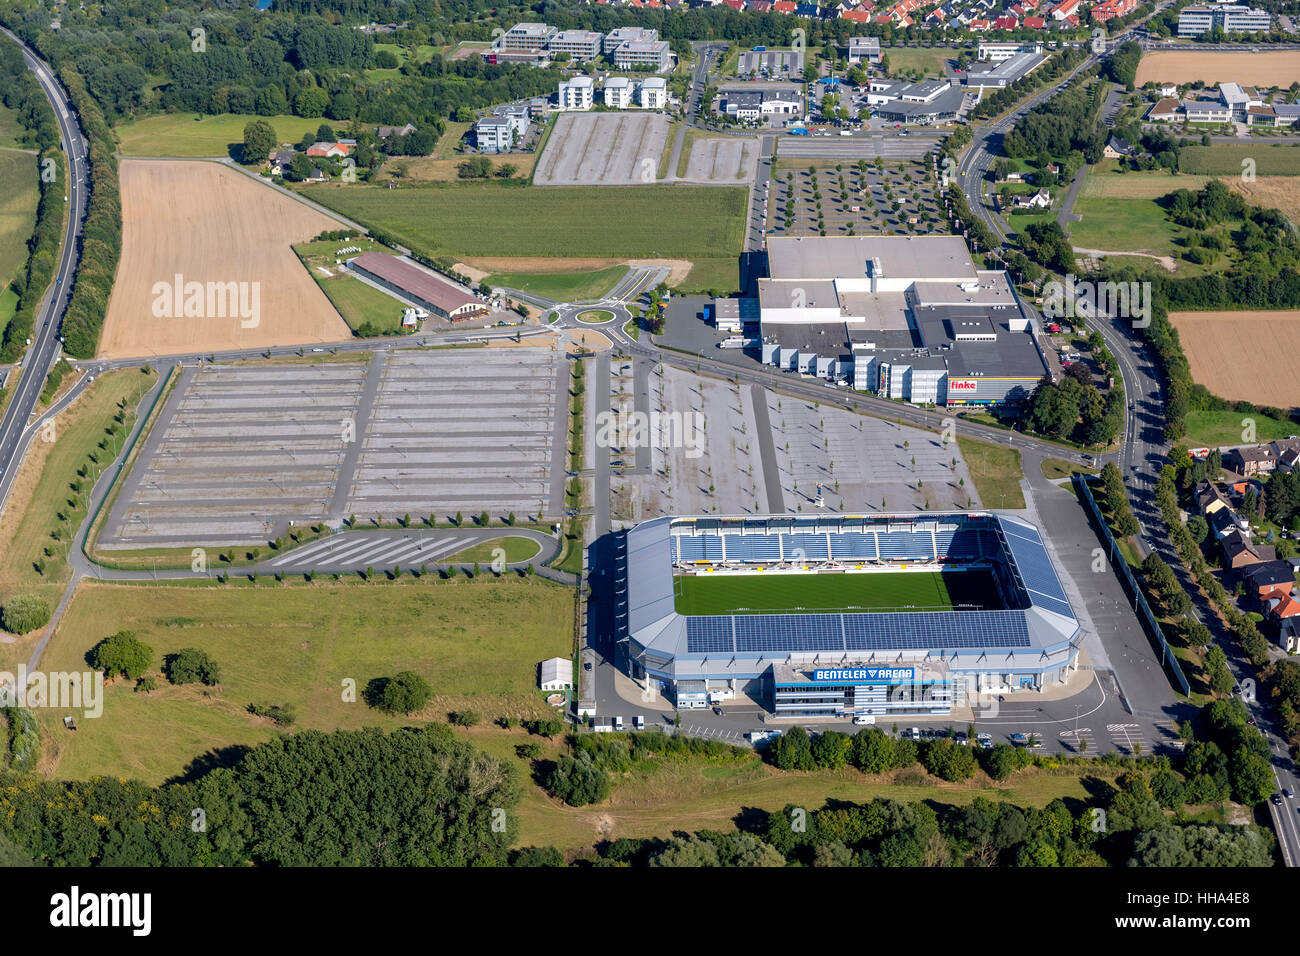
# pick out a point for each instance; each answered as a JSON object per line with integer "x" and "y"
{"x": 603, "y": 149}
{"x": 239, "y": 452}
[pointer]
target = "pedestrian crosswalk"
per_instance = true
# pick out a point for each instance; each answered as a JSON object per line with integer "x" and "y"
{"x": 348, "y": 552}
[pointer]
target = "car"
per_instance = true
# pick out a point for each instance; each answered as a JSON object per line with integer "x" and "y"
{"x": 586, "y": 665}
{"x": 960, "y": 739}
{"x": 914, "y": 733}
{"x": 638, "y": 722}
{"x": 1251, "y": 721}
{"x": 717, "y": 710}
{"x": 1286, "y": 792}
{"x": 618, "y": 723}
{"x": 1019, "y": 738}
{"x": 1277, "y": 799}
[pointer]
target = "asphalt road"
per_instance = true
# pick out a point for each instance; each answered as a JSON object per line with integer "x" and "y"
{"x": 40, "y": 356}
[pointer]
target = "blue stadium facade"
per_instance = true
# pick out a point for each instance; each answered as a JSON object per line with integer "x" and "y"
{"x": 840, "y": 665}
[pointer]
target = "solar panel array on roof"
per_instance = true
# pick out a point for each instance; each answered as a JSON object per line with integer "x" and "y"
{"x": 1035, "y": 568}
{"x": 803, "y": 633}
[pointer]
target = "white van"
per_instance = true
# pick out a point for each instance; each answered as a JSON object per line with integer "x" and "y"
{"x": 638, "y": 722}
{"x": 864, "y": 719}
{"x": 618, "y": 723}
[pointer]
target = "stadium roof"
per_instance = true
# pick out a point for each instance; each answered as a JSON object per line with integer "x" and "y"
{"x": 740, "y": 644}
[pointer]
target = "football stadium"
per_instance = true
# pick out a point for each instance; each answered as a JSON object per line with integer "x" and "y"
{"x": 845, "y": 616}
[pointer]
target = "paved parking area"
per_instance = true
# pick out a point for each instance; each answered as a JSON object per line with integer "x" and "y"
{"x": 862, "y": 464}
{"x": 854, "y": 198}
{"x": 603, "y": 149}
{"x": 462, "y": 431}
{"x": 858, "y": 146}
{"x": 239, "y": 452}
{"x": 724, "y": 161}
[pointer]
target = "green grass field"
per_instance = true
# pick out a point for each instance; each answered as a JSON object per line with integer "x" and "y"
{"x": 776, "y": 593}
{"x": 499, "y": 220}
{"x": 1225, "y": 159}
{"x": 713, "y": 275}
{"x": 192, "y": 135}
{"x": 8, "y": 306}
{"x": 476, "y": 642}
{"x": 357, "y": 302}
{"x": 1123, "y": 225}
{"x": 515, "y": 548}
{"x": 17, "y": 211}
{"x": 561, "y": 286}
{"x": 996, "y": 470}
{"x": 10, "y": 129}
{"x": 1226, "y": 428}
{"x": 905, "y": 59}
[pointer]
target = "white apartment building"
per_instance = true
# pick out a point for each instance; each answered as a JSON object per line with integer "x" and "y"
{"x": 618, "y": 92}
{"x": 577, "y": 93}
{"x": 526, "y": 36}
{"x": 653, "y": 92}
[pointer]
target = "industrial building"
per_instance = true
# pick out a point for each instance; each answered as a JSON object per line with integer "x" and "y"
{"x": 904, "y": 317}
{"x": 844, "y": 663}
{"x": 419, "y": 286}
{"x": 994, "y": 74}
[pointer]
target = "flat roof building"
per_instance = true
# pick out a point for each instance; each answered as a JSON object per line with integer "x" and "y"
{"x": 633, "y": 54}
{"x": 620, "y": 35}
{"x": 579, "y": 44}
{"x": 918, "y": 321}
{"x": 526, "y": 36}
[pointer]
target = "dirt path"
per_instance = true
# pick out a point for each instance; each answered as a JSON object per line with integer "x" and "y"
{"x": 1166, "y": 261}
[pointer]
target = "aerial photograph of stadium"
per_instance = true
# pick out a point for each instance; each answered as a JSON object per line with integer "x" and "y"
{"x": 648, "y": 433}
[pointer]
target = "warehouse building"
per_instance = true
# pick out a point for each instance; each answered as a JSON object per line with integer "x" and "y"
{"x": 904, "y": 317}
{"x": 839, "y": 664}
{"x": 418, "y": 286}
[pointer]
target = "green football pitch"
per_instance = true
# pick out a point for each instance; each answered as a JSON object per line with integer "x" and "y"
{"x": 772, "y": 593}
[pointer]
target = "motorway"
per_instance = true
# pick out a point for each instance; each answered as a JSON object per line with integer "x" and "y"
{"x": 15, "y": 433}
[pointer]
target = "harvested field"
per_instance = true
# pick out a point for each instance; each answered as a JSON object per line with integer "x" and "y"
{"x": 603, "y": 149}
{"x": 210, "y": 224}
{"x": 1277, "y": 68}
{"x": 1243, "y": 355}
{"x": 1271, "y": 192}
{"x": 1137, "y": 185}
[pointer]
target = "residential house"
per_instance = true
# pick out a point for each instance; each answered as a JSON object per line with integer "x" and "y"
{"x": 1116, "y": 148}
{"x": 1039, "y": 200}
{"x": 1239, "y": 551}
{"x": 330, "y": 150}
{"x": 386, "y": 131}
{"x": 1251, "y": 460}
{"x": 1267, "y": 579}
